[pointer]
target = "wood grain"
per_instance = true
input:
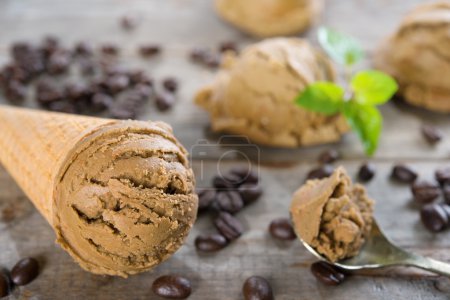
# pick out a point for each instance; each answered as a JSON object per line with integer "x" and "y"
{"x": 180, "y": 25}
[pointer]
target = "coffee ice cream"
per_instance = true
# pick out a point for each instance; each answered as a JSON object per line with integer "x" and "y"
{"x": 266, "y": 18}
{"x": 332, "y": 215}
{"x": 417, "y": 55}
{"x": 253, "y": 95}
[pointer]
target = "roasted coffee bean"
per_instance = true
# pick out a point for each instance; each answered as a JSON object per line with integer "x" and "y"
{"x": 443, "y": 176}
{"x": 205, "y": 198}
{"x": 170, "y": 84}
{"x": 50, "y": 45}
{"x": 47, "y": 92}
{"x": 257, "y": 288}
{"x": 25, "y": 271}
{"x": 246, "y": 174}
{"x": 58, "y": 63}
{"x": 229, "y": 201}
{"x": 4, "y": 284}
{"x": 327, "y": 273}
{"x": 366, "y": 172}
{"x": 164, "y": 101}
{"x": 101, "y": 101}
{"x": 446, "y": 208}
{"x": 144, "y": 90}
{"x": 63, "y": 106}
{"x": 119, "y": 111}
{"x": 328, "y": 156}
{"x": 117, "y": 83}
{"x": 139, "y": 77}
{"x": 13, "y": 72}
{"x": 228, "y": 46}
{"x": 21, "y": 49}
{"x": 149, "y": 50}
{"x": 128, "y": 22}
{"x": 84, "y": 48}
{"x": 75, "y": 90}
{"x": 434, "y": 217}
{"x": 15, "y": 91}
{"x": 425, "y": 192}
{"x": 212, "y": 60}
{"x": 230, "y": 227}
{"x": 172, "y": 287}
{"x": 210, "y": 242}
{"x": 446, "y": 192}
{"x": 110, "y": 49}
{"x": 250, "y": 192}
{"x": 282, "y": 229}
{"x": 198, "y": 55}
{"x": 87, "y": 66}
{"x": 432, "y": 134}
{"x": 320, "y": 172}
{"x": 404, "y": 173}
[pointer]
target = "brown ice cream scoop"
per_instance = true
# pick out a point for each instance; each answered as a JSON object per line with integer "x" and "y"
{"x": 253, "y": 95}
{"x": 418, "y": 56}
{"x": 119, "y": 194}
{"x": 332, "y": 215}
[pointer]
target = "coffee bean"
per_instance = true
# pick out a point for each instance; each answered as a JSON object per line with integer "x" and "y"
{"x": 425, "y": 192}
{"x": 101, "y": 101}
{"x": 434, "y": 217}
{"x": 366, "y": 172}
{"x": 84, "y": 48}
{"x": 227, "y": 181}
{"x": 25, "y": 271}
{"x": 75, "y": 90}
{"x": 110, "y": 49}
{"x": 47, "y": 92}
{"x": 15, "y": 91}
{"x": 58, "y": 63}
{"x": 205, "y": 198}
{"x": 144, "y": 90}
{"x": 229, "y": 201}
{"x": 119, "y": 111}
{"x": 50, "y": 45}
{"x": 230, "y": 227}
{"x": 282, "y": 229}
{"x": 172, "y": 287}
{"x": 210, "y": 242}
{"x": 117, "y": 83}
{"x": 328, "y": 156}
{"x": 228, "y": 46}
{"x": 432, "y": 134}
{"x": 320, "y": 172}
{"x": 250, "y": 192}
{"x": 198, "y": 55}
{"x": 164, "y": 101}
{"x": 170, "y": 84}
{"x": 212, "y": 60}
{"x": 139, "y": 77}
{"x": 4, "y": 284}
{"x": 327, "y": 273}
{"x": 149, "y": 50}
{"x": 403, "y": 173}
{"x": 443, "y": 176}
{"x": 446, "y": 192}
{"x": 87, "y": 66}
{"x": 257, "y": 288}
{"x": 128, "y": 22}
{"x": 246, "y": 174}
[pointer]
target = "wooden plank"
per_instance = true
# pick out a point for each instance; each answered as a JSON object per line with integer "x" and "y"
{"x": 180, "y": 25}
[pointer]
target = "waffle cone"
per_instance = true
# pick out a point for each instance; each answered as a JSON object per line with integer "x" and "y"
{"x": 33, "y": 146}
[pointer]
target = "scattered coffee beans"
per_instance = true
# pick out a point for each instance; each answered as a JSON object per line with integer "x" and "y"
{"x": 282, "y": 229}
{"x": 328, "y": 156}
{"x": 4, "y": 285}
{"x": 431, "y": 134}
{"x": 434, "y": 217}
{"x": 403, "y": 173}
{"x": 230, "y": 227}
{"x": 443, "y": 176}
{"x": 227, "y": 181}
{"x": 366, "y": 172}
{"x": 164, "y": 101}
{"x": 250, "y": 192}
{"x": 210, "y": 242}
{"x": 320, "y": 172}
{"x": 25, "y": 271}
{"x": 205, "y": 198}
{"x": 246, "y": 174}
{"x": 425, "y": 192}
{"x": 229, "y": 201}
{"x": 172, "y": 287}
{"x": 257, "y": 288}
{"x": 327, "y": 273}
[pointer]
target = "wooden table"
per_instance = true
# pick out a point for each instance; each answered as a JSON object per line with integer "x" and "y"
{"x": 180, "y": 25}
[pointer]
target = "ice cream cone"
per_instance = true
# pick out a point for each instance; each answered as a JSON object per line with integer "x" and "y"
{"x": 119, "y": 194}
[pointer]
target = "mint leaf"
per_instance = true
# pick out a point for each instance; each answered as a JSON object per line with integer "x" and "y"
{"x": 367, "y": 121}
{"x": 322, "y": 97}
{"x": 373, "y": 87}
{"x": 340, "y": 47}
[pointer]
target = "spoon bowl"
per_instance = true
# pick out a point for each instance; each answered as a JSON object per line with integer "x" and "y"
{"x": 379, "y": 252}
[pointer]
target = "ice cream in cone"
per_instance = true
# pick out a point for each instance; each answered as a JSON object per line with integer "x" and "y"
{"x": 119, "y": 194}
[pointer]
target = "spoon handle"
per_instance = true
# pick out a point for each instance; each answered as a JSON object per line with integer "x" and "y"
{"x": 429, "y": 264}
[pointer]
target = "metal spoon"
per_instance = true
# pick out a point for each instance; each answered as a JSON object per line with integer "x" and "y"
{"x": 379, "y": 252}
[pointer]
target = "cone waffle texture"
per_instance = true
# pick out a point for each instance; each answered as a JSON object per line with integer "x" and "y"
{"x": 33, "y": 145}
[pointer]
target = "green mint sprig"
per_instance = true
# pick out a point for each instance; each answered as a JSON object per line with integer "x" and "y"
{"x": 358, "y": 102}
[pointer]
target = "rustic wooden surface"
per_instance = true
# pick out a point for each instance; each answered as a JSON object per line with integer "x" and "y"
{"x": 179, "y": 25}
